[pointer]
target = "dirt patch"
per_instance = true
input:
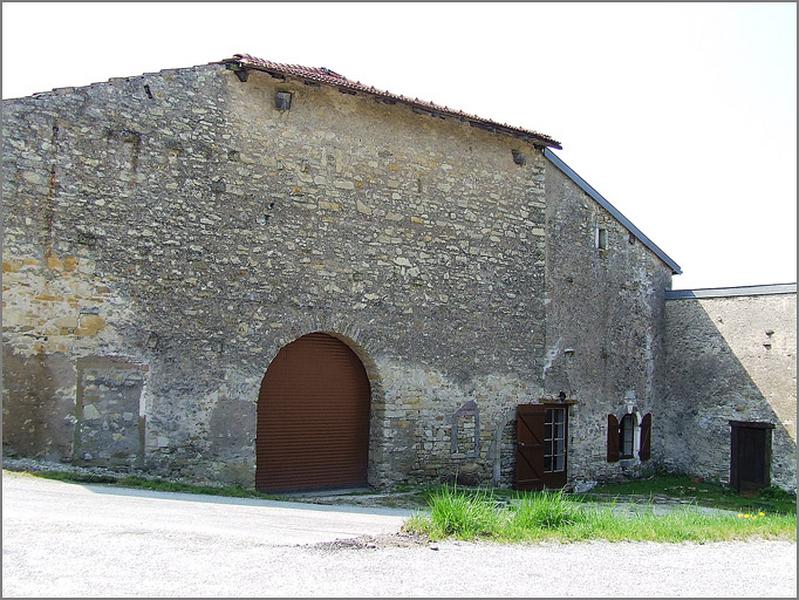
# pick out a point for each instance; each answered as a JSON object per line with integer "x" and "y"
{"x": 376, "y": 542}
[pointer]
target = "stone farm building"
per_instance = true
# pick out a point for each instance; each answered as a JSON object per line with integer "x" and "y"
{"x": 264, "y": 274}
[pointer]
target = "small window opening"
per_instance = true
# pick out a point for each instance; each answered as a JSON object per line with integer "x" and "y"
{"x": 283, "y": 100}
{"x": 601, "y": 238}
{"x": 627, "y": 436}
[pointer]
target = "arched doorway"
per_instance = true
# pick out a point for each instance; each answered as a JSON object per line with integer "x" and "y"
{"x": 313, "y": 418}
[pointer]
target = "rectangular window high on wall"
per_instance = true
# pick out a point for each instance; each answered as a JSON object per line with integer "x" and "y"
{"x": 601, "y": 238}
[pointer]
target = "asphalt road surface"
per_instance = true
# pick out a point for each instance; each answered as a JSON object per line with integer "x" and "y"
{"x": 64, "y": 539}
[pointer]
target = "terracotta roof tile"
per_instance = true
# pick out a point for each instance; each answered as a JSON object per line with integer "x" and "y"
{"x": 329, "y": 77}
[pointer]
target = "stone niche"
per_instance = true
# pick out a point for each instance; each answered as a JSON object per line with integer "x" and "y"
{"x": 110, "y": 425}
{"x": 465, "y": 441}
{"x": 465, "y": 444}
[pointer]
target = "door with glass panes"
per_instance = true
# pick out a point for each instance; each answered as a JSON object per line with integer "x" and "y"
{"x": 541, "y": 446}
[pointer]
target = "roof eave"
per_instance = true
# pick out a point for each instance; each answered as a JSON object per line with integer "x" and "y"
{"x": 768, "y": 289}
{"x": 530, "y": 137}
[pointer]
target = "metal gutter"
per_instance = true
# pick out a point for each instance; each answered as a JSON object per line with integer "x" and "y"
{"x": 604, "y": 203}
{"x": 727, "y": 292}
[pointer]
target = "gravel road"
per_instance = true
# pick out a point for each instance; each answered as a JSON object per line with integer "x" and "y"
{"x": 63, "y": 539}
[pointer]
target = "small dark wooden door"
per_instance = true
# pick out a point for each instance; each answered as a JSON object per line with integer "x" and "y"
{"x": 313, "y": 418}
{"x": 541, "y": 434}
{"x": 750, "y": 455}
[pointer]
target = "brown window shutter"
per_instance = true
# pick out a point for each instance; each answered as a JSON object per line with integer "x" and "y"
{"x": 613, "y": 438}
{"x": 646, "y": 437}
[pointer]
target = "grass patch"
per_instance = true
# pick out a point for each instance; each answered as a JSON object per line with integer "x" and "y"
{"x": 161, "y": 485}
{"x": 70, "y": 477}
{"x": 158, "y": 485}
{"x": 705, "y": 493}
{"x": 461, "y": 515}
{"x": 554, "y": 516}
{"x": 547, "y": 511}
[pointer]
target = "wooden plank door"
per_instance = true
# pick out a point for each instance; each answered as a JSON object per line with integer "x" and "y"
{"x": 529, "y": 472}
{"x": 750, "y": 455}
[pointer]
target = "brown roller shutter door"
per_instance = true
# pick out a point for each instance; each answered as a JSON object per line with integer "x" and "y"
{"x": 313, "y": 418}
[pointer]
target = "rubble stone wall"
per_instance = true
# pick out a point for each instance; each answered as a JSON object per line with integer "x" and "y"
{"x": 166, "y": 235}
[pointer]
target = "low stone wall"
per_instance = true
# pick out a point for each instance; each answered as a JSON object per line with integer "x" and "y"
{"x": 730, "y": 358}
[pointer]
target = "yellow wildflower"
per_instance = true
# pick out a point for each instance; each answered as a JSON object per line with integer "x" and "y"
{"x": 740, "y": 515}
{"x": 761, "y": 514}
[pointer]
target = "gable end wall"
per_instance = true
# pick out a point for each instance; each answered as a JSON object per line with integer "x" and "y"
{"x": 605, "y": 328}
{"x": 163, "y": 242}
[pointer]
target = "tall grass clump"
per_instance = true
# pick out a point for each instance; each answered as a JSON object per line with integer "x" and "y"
{"x": 463, "y": 516}
{"x": 546, "y": 510}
